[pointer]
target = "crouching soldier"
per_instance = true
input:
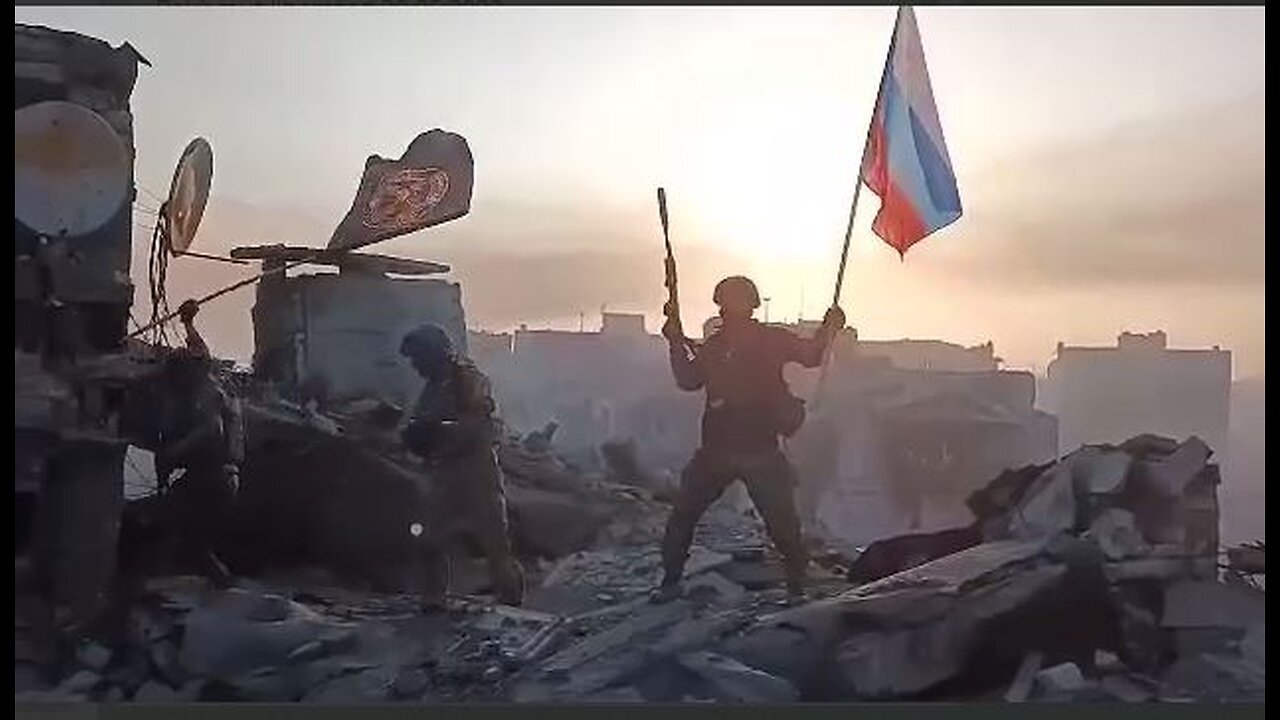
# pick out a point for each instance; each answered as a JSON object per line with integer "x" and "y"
{"x": 452, "y": 427}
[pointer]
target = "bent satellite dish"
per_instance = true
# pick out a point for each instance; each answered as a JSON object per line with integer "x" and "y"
{"x": 70, "y": 169}
{"x": 188, "y": 194}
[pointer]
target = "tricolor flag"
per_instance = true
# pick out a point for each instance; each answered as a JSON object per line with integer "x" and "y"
{"x": 906, "y": 161}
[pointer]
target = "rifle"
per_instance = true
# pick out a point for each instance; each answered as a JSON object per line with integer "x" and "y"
{"x": 672, "y": 308}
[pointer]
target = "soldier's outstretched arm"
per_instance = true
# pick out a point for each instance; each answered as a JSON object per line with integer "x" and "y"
{"x": 810, "y": 352}
{"x": 196, "y": 344}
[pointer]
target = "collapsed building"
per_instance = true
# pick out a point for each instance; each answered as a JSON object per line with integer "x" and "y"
{"x": 895, "y": 447}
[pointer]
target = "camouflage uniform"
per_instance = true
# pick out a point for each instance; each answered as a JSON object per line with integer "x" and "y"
{"x": 453, "y": 428}
{"x": 200, "y": 432}
{"x": 740, "y": 368}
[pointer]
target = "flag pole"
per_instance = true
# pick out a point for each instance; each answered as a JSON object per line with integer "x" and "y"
{"x": 853, "y": 206}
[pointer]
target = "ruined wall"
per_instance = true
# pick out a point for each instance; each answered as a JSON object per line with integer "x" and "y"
{"x": 846, "y": 455}
{"x": 344, "y": 331}
{"x": 598, "y": 386}
{"x": 91, "y": 272}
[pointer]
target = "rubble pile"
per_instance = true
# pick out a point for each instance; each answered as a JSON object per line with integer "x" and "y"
{"x": 1092, "y": 578}
{"x": 1063, "y": 560}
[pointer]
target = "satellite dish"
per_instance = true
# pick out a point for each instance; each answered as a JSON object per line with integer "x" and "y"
{"x": 70, "y": 169}
{"x": 188, "y": 194}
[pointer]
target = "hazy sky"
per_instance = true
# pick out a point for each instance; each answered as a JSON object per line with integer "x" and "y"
{"x": 1110, "y": 161}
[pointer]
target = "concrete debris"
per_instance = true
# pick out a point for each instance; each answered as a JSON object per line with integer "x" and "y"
{"x": 1202, "y": 604}
{"x": 1100, "y": 471}
{"x": 1106, "y": 661}
{"x": 1060, "y": 680}
{"x": 93, "y": 656}
{"x": 1170, "y": 475}
{"x": 714, "y": 585}
{"x": 1212, "y": 677}
{"x": 1023, "y": 681}
{"x": 1254, "y": 645}
{"x": 1116, "y": 533}
{"x": 735, "y": 682}
{"x": 1125, "y": 689}
{"x": 626, "y": 694}
{"x": 410, "y": 684}
{"x": 80, "y": 683}
{"x": 885, "y": 557}
{"x": 1056, "y": 591}
{"x": 1248, "y": 559}
{"x": 1049, "y": 506}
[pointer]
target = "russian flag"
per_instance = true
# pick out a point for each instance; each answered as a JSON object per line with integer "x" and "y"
{"x": 906, "y": 161}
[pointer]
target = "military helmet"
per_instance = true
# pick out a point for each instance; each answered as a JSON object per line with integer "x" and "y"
{"x": 739, "y": 287}
{"x": 427, "y": 342}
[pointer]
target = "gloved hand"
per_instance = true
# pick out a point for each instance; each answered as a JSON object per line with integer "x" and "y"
{"x": 187, "y": 310}
{"x": 834, "y": 319}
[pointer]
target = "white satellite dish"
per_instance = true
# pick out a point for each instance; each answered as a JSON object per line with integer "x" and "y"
{"x": 188, "y": 194}
{"x": 70, "y": 169}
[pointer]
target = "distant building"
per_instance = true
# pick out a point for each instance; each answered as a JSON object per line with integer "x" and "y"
{"x": 1107, "y": 394}
{"x": 903, "y": 431}
{"x": 598, "y": 385}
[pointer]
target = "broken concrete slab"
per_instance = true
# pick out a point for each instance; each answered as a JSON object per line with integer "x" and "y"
{"x": 367, "y": 686}
{"x": 1147, "y": 445}
{"x": 1188, "y": 642}
{"x": 1099, "y": 471}
{"x": 714, "y": 587}
{"x": 1004, "y": 492}
{"x": 626, "y": 694}
{"x": 93, "y": 656}
{"x": 736, "y": 682}
{"x": 221, "y": 640}
{"x": 80, "y": 683}
{"x": 1126, "y": 689}
{"x": 1201, "y": 604}
{"x": 1063, "y": 678}
{"x": 1217, "y": 678}
{"x": 1161, "y": 568}
{"x": 958, "y": 570}
{"x": 1169, "y": 476}
{"x": 1253, "y": 648}
{"x": 905, "y": 661}
{"x": 166, "y": 661}
{"x": 156, "y": 692}
{"x": 754, "y": 575}
{"x": 1105, "y": 661}
{"x": 410, "y": 684}
{"x": 1025, "y": 678}
{"x": 646, "y": 618}
{"x": 905, "y": 658}
{"x": 1049, "y": 506}
{"x": 886, "y": 557}
{"x": 1250, "y": 558}
{"x": 1116, "y": 533}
